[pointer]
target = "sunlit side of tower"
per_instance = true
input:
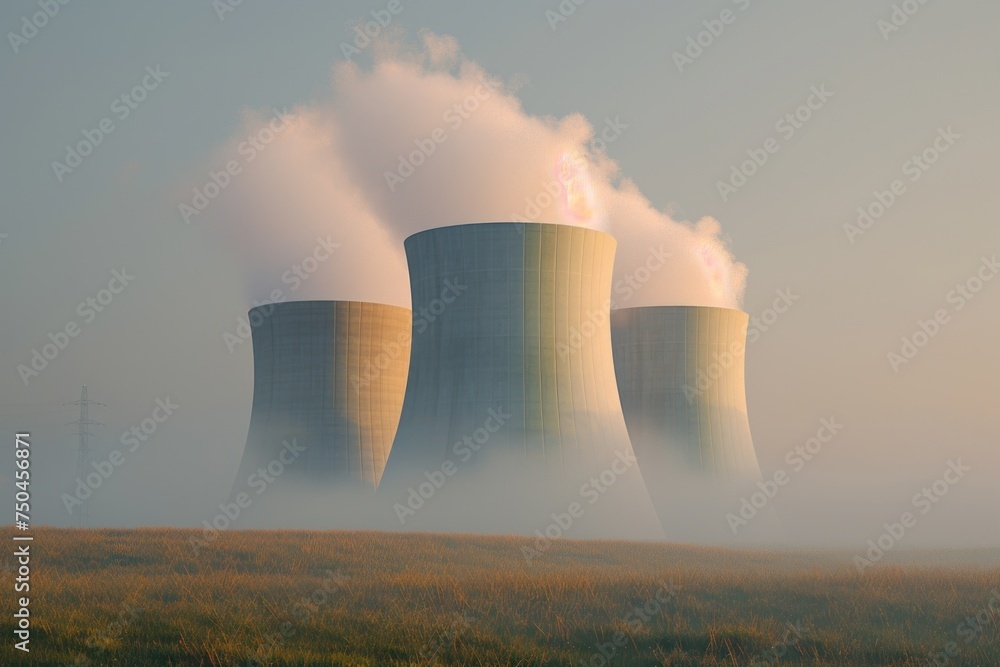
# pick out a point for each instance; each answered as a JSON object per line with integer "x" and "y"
{"x": 511, "y": 319}
{"x": 330, "y": 376}
{"x": 680, "y": 373}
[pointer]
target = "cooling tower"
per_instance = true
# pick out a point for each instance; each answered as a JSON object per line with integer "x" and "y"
{"x": 680, "y": 379}
{"x": 511, "y": 402}
{"x": 681, "y": 383}
{"x": 329, "y": 378}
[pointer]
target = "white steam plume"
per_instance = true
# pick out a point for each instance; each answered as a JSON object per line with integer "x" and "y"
{"x": 426, "y": 138}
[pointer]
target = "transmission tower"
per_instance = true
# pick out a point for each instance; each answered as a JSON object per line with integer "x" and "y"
{"x": 83, "y": 452}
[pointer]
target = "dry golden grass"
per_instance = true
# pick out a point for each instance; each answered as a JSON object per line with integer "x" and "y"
{"x": 143, "y": 597}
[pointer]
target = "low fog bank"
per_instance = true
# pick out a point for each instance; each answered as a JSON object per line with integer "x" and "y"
{"x": 935, "y": 507}
{"x": 920, "y": 520}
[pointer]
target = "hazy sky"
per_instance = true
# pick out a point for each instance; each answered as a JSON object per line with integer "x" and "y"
{"x": 879, "y": 97}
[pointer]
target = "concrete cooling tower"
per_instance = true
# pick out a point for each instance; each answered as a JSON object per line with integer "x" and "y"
{"x": 329, "y": 378}
{"x": 680, "y": 372}
{"x": 511, "y": 410}
{"x": 680, "y": 379}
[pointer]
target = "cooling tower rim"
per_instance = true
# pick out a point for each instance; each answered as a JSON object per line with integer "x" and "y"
{"x": 506, "y": 223}
{"x": 285, "y": 305}
{"x": 677, "y": 307}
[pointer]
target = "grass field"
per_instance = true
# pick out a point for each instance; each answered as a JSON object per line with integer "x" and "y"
{"x": 145, "y": 597}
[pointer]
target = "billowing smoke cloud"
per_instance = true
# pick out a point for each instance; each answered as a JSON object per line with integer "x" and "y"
{"x": 426, "y": 138}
